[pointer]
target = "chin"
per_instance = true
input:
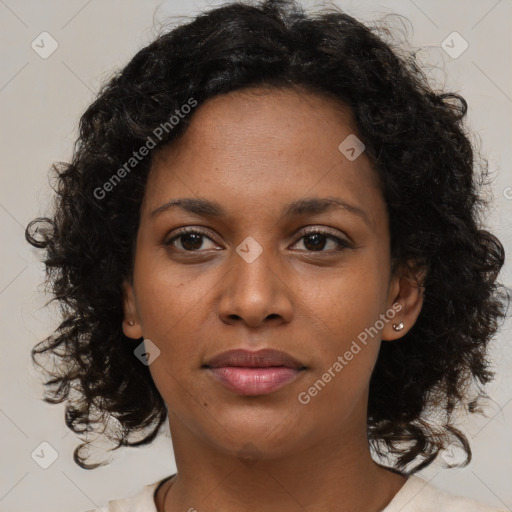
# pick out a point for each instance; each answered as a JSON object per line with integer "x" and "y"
{"x": 259, "y": 435}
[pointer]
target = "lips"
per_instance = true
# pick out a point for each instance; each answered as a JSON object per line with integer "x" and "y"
{"x": 254, "y": 373}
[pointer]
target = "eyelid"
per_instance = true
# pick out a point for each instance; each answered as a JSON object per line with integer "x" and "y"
{"x": 314, "y": 229}
{"x": 185, "y": 230}
{"x": 344, "y": 241}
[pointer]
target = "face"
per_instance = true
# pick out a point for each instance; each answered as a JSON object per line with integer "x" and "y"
{"x": 291, "y": 253}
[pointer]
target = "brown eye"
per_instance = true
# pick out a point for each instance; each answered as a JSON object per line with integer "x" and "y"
{"x": 193, "y": 240}
{"x": 316, "y": 241}
{"x": 190, "y": 240}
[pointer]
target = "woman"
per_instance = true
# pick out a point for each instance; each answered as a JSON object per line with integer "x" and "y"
{"x": 269, "y": 236}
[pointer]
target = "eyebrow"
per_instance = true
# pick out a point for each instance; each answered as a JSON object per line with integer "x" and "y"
{"x": 308, "y": 206}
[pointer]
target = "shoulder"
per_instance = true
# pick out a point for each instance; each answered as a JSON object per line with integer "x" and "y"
{"x": 417, "y": 495}
{"x": 142, "y": 501}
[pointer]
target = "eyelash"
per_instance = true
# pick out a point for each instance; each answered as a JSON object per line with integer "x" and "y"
{"x": 186, "y": 231}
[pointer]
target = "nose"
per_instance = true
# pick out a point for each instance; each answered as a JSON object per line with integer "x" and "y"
{"x": 255, "y": 292}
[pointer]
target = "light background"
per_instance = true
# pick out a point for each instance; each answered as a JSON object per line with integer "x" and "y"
{"x": 41, "y": 101}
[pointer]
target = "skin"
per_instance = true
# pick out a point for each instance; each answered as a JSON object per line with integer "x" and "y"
{"x": 253, "y": 152}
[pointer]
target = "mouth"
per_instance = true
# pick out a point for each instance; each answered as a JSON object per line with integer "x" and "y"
{"x": 254, "y": 373}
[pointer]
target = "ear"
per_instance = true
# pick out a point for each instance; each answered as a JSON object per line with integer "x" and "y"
{"x": 131, "y": 323}
{"x": 406, "y": 292}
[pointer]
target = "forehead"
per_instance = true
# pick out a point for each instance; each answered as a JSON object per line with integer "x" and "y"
{"x": 267, "y": 118}
{"x": 260, "y": 144}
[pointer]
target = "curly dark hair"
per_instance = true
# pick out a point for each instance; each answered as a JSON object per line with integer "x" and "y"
{"x": 431, "y": 182}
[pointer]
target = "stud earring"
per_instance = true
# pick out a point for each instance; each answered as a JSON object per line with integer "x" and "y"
{"x": 398, "y": 327}
{"x": 131, "y": 322}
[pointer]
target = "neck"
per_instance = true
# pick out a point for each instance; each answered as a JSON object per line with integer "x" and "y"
{"x": 336, "y": 473}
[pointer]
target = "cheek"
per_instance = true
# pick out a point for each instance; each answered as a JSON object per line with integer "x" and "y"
{"x": 169, "y": 295}
{"x": 168, "y": 307}
{"x": 347, "y": 312}
{"x": 353, "y": 298}
{"x": 346, "y": 353}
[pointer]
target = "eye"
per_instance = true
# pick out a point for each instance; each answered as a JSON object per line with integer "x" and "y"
{"x": 192, "y": 240}
{"x": 316, "y": 240}
{"x": 189, "y": 239}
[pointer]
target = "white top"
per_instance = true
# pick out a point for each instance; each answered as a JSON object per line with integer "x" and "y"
{"x": 416, "y": 495}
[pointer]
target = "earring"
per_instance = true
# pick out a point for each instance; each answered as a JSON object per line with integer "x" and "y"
{"x": 398, "y": 327}
{"x": 131, "y": 322}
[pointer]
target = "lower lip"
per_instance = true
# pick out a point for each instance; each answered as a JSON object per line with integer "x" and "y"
{"x": 255, "y": 381}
